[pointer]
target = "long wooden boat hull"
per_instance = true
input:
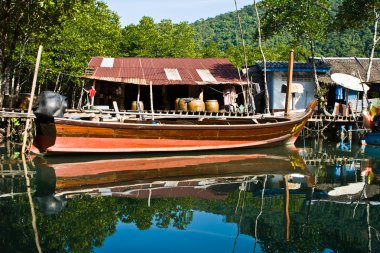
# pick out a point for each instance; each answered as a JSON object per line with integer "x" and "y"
{"x": 62, "y": 135}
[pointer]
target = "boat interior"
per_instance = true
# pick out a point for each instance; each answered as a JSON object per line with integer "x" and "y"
{"x": 174, "y": 117}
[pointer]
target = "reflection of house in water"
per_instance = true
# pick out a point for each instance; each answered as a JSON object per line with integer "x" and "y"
{"x": 124, "y": 79}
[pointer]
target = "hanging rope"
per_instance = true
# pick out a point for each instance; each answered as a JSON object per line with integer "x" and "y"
{"x": 250, "y": 89}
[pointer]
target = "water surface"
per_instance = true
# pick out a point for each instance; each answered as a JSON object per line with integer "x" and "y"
{"x": 318, "y": 197}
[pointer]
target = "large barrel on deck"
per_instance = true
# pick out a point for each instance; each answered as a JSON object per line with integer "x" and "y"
{"x": 196, "y": 105}
{"x": 176, "y": 104}
{"x": 134, "y": 105}
{"x": 212, "y": 106}
{"x": 181, "y": 104}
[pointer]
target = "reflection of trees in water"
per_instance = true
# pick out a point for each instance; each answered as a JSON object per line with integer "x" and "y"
{"x": 162, "y": 213}
{"x": 16, "y": 234}
{"x": 328, "y": 225}
{"x": 86, "y": 222}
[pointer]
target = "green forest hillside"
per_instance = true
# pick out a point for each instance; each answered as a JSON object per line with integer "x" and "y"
{"x": 73, "y": 31}
{"x": 224, "y": 31}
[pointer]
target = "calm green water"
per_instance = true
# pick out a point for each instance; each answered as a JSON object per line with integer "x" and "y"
{"x": 195, "y": 202}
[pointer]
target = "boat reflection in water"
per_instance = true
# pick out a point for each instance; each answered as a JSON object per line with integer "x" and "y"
{"x": 175, "y": 193}
{"x": 166, "y": 176}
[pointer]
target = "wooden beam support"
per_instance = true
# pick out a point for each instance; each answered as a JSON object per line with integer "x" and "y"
{"x": 289, "y": 83}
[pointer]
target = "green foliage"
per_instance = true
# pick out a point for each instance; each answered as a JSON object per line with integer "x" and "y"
{"x": 26, "y": 23}
{"x": 223, "y": 31}
{"x": 164, "y": 39}
{"x": 73, "y": 31}
{"x": 306, "y": 20}
{"x": 92, "y": 31}
{"x": 356, "y": 13}
{"x": 95, "y": 30}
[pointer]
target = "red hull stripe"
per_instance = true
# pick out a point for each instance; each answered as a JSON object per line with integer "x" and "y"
{"x": 103, "y": 145}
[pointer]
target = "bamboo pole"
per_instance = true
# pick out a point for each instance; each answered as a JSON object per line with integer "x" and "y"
{"x": 31, "y": 99}
{"x": 289, "y": 83}
{"x": 151, "y": 99}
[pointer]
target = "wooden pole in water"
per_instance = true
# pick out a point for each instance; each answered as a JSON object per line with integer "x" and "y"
{"x": 289, "y": 83}
{"x": 31, "y": 99}
{"x": 151, "y": 99}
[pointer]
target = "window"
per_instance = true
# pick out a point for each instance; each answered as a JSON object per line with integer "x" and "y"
{"x": 107, "y": 62}
{"x": 173, "y": 74}
{"x": 205, "y": 75}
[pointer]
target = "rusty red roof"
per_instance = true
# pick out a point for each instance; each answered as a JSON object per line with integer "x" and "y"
{"x": 163, "y": 71}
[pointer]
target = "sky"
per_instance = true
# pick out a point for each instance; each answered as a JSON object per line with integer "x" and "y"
{"x": 131, "y": 11}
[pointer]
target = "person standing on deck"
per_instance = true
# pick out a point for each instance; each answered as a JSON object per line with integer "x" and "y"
{"x": 91, "y": 93}
{"x": 229, "y": 97}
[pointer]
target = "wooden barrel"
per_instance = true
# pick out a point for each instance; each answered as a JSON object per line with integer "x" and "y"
{"x": 197, "y": 105}
{"x": 182, "y": 105}
{"x": 134, "y": 106}
{"x": 176, "y": 104}
{"x": 23, "y": 101}
{"x": 212, "y": 106}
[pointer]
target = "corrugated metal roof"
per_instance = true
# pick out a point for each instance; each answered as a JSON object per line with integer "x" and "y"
{"x": 282, "y": 66}
{"x": 155, "y": 70}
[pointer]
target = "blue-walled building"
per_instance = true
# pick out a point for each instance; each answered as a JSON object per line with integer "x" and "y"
{"x": 277, "y": 80}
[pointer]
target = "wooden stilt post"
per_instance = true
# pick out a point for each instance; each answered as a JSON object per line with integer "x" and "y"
{"x": 290, "y": 80}
{"x": 151, "y": 99}
{"x": 139, "y": 109}
{"x": 81, "y": 95}
{"x": 138, "y": 96}
{"x": 117, "y": 113}
{"x": 31, "y": 100}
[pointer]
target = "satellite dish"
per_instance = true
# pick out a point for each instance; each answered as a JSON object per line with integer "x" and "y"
{"x": 296, "y": 88}
{"x": 349, "y": 82}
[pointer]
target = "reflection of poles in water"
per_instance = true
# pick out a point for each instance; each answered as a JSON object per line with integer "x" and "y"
{"x": 261, "y": 211}
{"x": 243, "y": 188}
{"x": 286, "y": 209}
{"x": 34, "y": 222}
{"x": 150, "y": 194}
{"x": 369, "y": 229}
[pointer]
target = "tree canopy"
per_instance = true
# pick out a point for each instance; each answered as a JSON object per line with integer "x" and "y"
{"x": 73, "y": 31}
{"x": 163, "y": 39}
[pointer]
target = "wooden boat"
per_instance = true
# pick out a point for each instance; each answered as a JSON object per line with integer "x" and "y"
{"x": 160, "y": 133}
